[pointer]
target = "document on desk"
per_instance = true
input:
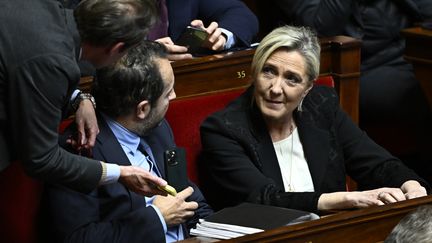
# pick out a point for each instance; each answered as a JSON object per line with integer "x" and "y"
{"x": 221, "y": 231}
{"x": 248, "y": 218}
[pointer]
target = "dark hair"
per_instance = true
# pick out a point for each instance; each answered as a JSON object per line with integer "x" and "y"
{"x": 106, "y": 22}
{"x": 135, "y": 77}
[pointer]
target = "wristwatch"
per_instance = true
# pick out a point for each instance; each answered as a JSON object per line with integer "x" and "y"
{"x": 81, "y": 96}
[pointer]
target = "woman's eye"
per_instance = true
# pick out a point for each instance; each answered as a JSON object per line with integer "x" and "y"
{"x": 267, "y": 70}
{"x": 293, "y": 79}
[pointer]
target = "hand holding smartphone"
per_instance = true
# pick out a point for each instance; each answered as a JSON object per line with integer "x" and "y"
{"x": 193, "y": 38}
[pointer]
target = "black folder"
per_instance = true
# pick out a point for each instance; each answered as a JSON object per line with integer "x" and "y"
{"x": 260, "y": 216}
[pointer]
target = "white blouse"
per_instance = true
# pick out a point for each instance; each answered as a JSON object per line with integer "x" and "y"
{"x": 292, "y": 163}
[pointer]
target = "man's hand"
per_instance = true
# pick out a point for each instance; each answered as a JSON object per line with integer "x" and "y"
{"x": 215, "y": 40}
{"x": 141, "y": 181}
{"x": 176, "y": 210}
{"x": 175, "y": 52}
{"x": 85, "y": 118}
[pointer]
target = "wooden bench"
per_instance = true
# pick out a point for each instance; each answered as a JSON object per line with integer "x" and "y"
{"x": 361, "y": 226}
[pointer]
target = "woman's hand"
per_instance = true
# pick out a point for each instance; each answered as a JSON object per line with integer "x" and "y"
{"x": 413, "y": 189}
{"x": 346, "y": 200}
{"x": 363, "y": 199}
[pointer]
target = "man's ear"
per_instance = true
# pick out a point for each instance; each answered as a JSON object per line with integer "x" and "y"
{"x": 117, "y": 48}
{"x": 143, "y": 109}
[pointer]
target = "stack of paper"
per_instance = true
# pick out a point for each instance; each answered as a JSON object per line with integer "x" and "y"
{"x": 248, "y": 218}
{"x": 221, "y": 231}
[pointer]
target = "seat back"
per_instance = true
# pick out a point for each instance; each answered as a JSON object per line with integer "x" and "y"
{"x": 185, "y": 117}
{"x": 20, "y": 202}
{"x": 19, "y": 205}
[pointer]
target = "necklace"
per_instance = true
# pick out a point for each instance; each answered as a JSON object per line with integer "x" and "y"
{"x": 290, "y": 187}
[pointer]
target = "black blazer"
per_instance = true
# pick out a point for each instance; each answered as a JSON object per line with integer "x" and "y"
{"x": 241, "y": 164}
{"x": 113, "y": 213}
{"x": 234, "y": 16}
{"x": 38, "y": 72}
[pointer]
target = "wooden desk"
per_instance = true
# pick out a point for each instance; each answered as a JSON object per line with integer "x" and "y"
{"x": 419, "y": 52}
{"x": 340, "y": 58}
{"x": 365, "y": 225}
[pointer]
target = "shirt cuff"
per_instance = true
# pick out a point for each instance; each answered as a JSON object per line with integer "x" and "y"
{"x": 74, "y": 94}
{"x": 112, "y": 174}
{"x": 230, "y": 42}
{"x": 160, "y": 217}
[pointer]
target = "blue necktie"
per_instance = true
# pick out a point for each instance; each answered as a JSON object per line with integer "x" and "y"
{"x": 146, "y": 151}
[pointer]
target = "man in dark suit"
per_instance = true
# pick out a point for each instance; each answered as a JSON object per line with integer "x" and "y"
{"x": 39, "y": 50}
{"x": 229, "y": 24}
{"x": 132, "y": 131}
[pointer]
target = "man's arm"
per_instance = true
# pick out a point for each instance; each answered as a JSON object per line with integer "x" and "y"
{"x": 203, "y": 211}
{"x": 233, "y": 16}
{"x": 79, "y": 217}
{"x": 85, "y": 118}
{"x": 39, "y": 92}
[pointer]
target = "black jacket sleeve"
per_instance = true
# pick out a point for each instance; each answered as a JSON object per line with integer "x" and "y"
{"x": 42, "y": 83}
{"x": 85, "y": 220}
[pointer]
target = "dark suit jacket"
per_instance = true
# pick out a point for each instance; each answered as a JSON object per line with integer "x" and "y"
{"x": 241, "y": 163}
{"x": 38, "y": 72}
{"x": 232, "y": 15}
{"x": 112, "y": 213}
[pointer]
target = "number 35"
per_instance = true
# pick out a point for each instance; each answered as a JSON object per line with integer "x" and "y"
{"x": 241, "y": 74}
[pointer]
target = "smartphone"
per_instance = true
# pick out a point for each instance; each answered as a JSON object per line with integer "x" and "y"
{"x": 193, "y": 38}
{"x": 175, "y": 168}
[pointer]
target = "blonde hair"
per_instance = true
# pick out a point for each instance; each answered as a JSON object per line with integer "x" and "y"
{"x": 300, "y": 39}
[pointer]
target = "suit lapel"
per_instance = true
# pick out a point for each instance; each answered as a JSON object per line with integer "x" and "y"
{"x": 316, "y": 145}
{"x": 109, "y": 149}
{"x": 158, "y": 154}
{"x": 266, "y": 153}
{"x": 108, "y": 146}
{"x": 160, "y": 139}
